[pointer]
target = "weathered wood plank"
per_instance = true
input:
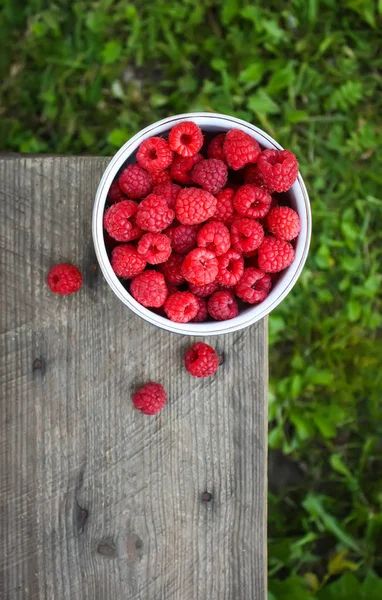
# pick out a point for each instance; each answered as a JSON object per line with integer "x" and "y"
{"x": 98, "y": 501}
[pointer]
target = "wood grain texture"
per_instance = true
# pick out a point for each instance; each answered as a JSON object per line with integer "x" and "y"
{"x": 99, "y": 502}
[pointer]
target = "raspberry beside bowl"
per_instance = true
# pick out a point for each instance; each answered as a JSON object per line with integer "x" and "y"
{"x": 297, "y": 196}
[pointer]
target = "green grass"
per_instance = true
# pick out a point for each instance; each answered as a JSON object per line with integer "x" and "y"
{"x": 83, "y": 76}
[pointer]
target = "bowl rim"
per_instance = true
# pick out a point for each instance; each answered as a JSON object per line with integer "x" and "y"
{"x": 254, "y": 313}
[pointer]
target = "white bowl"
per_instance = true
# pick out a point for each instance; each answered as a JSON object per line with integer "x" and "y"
{"x": 298, "y": 198}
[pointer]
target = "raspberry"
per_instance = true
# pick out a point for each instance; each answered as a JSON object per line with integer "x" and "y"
{"x": 149, "y": 289}
{"x": 181, "y": 307}
{"x": 181, "y": 167}
{"x": 126, "y": 262}
{"x": 215, "y": 237}
{"x": 222, "y": 305}
{"x": 200, "y": 266}
{"x": 251, "y": 201}
{"x": 252, "y": 176}
{"x": 186, "y": 138}
{"x": 202, "y": 291}
{"x": 202, "y": 313}
{"x": 115, "y": 193}
{"x": 201, "y": 360}
{"x": 246, "y": 235}
{"x": 215, "y": 147}
{"x": 254, "y": 286}
{"x": 230, "y": 268}
{"x": 275, "y": 255}
{"x": 169, "y": 191}
{"x": 183, "y": 238}
{"x": 172, "y": 269}
{"x": 210, "y": 174}
{"x": 135, "y": 182}
{"x": 154, "y": 154}
{"x": 194, "y": 206}
{"x": 64, "y": 279}
{"x": 283, "y": 222}
{"x": 150, "y": 398}
{"x": 224, "y": 207}
{"x": 154, "y": 248}
{"x": 240, "y": 149}
{"x": 154, "y": 214}
{"x": 278, "y": 168}
{"x": 161, "y": 177}
{"x": 118, "y": 222}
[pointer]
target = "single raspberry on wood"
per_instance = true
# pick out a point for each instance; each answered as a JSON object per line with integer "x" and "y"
{"x": 252, "y": 202}
{"x": 215, "y": 148}
{"x": 222, "y": 306}
{"x": 246, "y": 235}
{"x": 274, "y": 255}
{"x": 126, "y": 262}
{"x": 154, "y": 248}
{"x": 135, "y": 182}
{"x": 186, "y": 138}
{"x": 193, "y": 206}
{"x": 283, "y": 222}
{"x": 254, "y": 286}
{"x": 154, "y": 154}
{"x": 161, "y": 177}
{"x": 169, "y": 190}
{"x": 183, "y": 238}
{"x": 202, "y": 291}
{"x": 201, "y": 360}
{"x": 118, "y": 221}
{"x": 172, "y": 269}
{"x": 64, "y": 279}
{"x": 215, "y": 237}
{"x": 182, "y": 166}
{"x": 202, "y": 313}
{"x": 181, "y": 307}
{"x": 278, "y": 169}
{"x": 230, "y": 268}
{"x": 240, "y": 149}
{"x": 154, "y": 214}
{"x": 150, "y": 398}
{"x": 224, "y": 205}
{"x": 149, "y": 289}
{"x": 200, "y": 266}
{"x": 211, "y": 174}
{"x": 115, "y": 193}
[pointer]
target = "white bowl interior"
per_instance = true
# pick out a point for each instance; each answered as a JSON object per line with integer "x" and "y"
{"x": 297, "y": 197}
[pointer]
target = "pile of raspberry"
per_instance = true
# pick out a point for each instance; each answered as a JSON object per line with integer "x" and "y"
{"x": 198, "y": 227}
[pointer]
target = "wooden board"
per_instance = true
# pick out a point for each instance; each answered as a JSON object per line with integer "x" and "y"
{"x": 97, "y": 501}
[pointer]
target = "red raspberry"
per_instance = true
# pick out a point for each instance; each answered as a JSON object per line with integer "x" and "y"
{"x": 64, "y": 279}
{"x": 210, "y": 174}
{"x": 181, "y": 167}
{"x": 275, "y": 255}
{"x": 222, "y": 306}
{"x": 224, "y": 207}
{"x": 240, "y": 149}
{"x": 169, "y": 191}
{"x": 183, "y": 238}
{"x": 215, "y": 237}
{"x": 252, "y": 176}
{"x": 194, "y": 206}
{"x": 126, "y": 262}
{"x": 186, "y": 138}
{"x": 150, "y": 398}
{"x": 283, "y": 222}
{"x": 278, "y": 168}
{"x": 246, "y": 235}
{"x": 149, "y": 289}
{"x": 202, "y": 313}
{"x": 135, "y": 182}
{"x": 181, "y": 307}
{"x": 201, "y": 360}
{"x": 161, "y": 177}
{"x": 200, "y": 266}
{"x": 154, "y": 214}
{"x": 154, "y": 154}
{"x": 215, "y": 147}
{"x": 251, "y": 201}
{"x": 115, "y": 193}
{"x": 118, "y": 221}
{"x": 172, "y": 269}
{"x": 202, "y": 291}
{"x": 254, "y": 286}
{"x": 230, "y": 268}
{"x": 154, "y": 248}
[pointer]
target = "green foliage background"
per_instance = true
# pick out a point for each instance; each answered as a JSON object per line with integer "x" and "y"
{"x": 83, "y": 76}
